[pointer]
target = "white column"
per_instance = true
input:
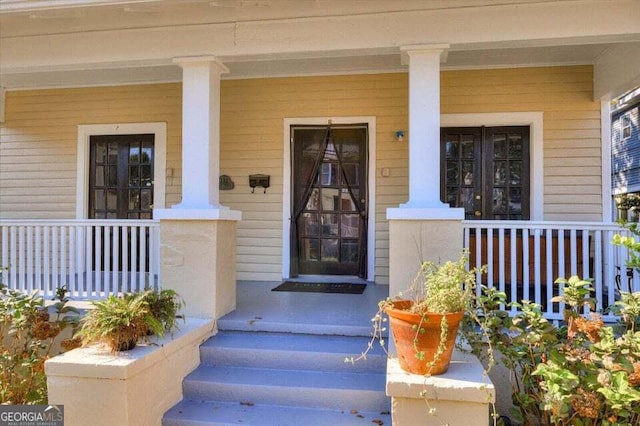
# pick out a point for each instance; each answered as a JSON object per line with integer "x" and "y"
{"x": 198, "y": 235}
{"x": 200, "y": 132}
{"x": 424, "y": 125}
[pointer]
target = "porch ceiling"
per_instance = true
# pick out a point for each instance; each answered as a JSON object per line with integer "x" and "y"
{"x": 64, "y": 43}
{"x": 324, "y": 63}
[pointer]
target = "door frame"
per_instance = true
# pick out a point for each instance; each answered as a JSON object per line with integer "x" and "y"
{"x": 159, "y": 130}
{"x": 535, "y": 122}
{"x": 371, "y": 183}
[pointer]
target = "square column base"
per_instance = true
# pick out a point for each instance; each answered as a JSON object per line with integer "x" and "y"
{"x": 199, "y": 262}
{"x": 462, "y": 396}
{"x": 418, "y": 235}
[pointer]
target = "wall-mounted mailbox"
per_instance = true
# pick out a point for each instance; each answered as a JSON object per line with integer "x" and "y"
{"x": 259, "y": 181}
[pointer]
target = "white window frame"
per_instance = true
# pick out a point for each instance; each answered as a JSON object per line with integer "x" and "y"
{"x": 625, "y": 123}
{"x": 286, "y": 199}
{"x": 159, "y": 130}
{"x": 535, "y": 122}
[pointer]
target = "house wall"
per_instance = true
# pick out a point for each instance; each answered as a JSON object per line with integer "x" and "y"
{"x": 38, "y": 142}
{"x": 572, "y": 138}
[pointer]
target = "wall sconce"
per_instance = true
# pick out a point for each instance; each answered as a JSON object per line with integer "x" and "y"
{"x": 400, "y": 135}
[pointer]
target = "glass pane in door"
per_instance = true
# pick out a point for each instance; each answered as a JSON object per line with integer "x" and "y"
{"x": 461, "y": 169}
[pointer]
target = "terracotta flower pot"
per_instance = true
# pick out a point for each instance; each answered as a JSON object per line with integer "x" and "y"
{"x": 404, "y": 327}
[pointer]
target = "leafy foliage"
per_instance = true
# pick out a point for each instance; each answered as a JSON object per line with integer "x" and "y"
{"x": 28, "y": 335}
{"x": 165, "y": 306}
{"x": 119, "y": 322}
{"x": 444, "y": 288}
{"x": 581, "y": 373}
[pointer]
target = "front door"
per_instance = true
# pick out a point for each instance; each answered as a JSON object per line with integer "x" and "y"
{"x": 486, "y": 171}
{"x": 329, "y": 217}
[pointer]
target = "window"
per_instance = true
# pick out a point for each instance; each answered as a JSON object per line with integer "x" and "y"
{"x": 626, "y": 126}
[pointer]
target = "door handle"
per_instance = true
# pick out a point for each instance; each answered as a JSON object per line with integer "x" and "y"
{"x": 477, "y": 213}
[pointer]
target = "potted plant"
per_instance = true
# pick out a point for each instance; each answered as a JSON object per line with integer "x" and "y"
{"x": 425, "y": 326}
{"x": 165, "y": 306}
{"x": 119, "y": 322}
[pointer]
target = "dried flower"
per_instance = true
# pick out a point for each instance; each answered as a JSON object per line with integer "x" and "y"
{"x": 591, "y": 328}
{"x": 586, "y": 404}
{"x": 45, "y": 330}
{"x": 634, "y": 378}
{"x": 69, "y": 344}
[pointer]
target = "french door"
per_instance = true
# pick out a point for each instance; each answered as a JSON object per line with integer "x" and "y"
{"x": 329, "y": 216}
{"x": 486, "y": 171}
{"x": 121, "y": 187}
{"x": 121, "y": 176}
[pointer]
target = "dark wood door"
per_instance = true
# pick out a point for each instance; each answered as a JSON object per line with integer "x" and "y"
{"x": 121, "y": 187}
{"x": 330, "y": 196}
{"x": 486, "y": 171}
{"x": 121, "y": 176}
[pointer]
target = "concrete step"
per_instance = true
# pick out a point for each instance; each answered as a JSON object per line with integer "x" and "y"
{"x": 237, "y": 322}
{"x": 301, "y": 388}
{"x": 280, "y": 378}
{"x": 292, "y": 351}
{"x": 203, "y": 413}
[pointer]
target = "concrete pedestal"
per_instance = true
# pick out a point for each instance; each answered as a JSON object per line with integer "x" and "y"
{"x": 418, "y": 235}
{"x": 199, "y": 262}
{"x": 460, "y": 397}
{"x": 129, "y": 388}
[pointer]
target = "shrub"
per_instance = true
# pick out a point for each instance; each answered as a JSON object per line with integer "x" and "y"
{"x": 28, "y": 337}
{"x": 582, "y": 373}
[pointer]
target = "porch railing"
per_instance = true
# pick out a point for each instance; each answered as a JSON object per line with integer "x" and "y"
{"x": 524, "y": 258}
{"x": 93, "y": 258}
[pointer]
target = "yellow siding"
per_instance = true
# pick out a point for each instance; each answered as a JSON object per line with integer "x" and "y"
{"x": 38, "y": 142}
{"x": 252, "y": 142}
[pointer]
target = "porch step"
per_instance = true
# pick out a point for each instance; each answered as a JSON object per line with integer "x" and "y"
{"x": 201, "y": 413}
{"x": 292, "y": 352}
{"x": 261, "y": 378}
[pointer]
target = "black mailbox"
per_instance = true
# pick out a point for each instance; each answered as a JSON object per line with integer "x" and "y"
{"x": 259, "y": 181}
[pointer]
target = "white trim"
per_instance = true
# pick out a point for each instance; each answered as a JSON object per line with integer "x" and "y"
{"x": 286, "y": 199}
{"x": 536, "y": 139}
{"x": 223, "y": 213}
{"x": 159, "y": 167}
{"x": 607, "y": 190}
{"x": 445, "y": 213}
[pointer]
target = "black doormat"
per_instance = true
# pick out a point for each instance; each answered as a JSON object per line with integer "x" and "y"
{"x": 304, "y": 287}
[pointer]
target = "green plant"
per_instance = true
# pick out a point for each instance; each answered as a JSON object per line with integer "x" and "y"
{"x": 437, "y": 289}
{"x": 27, "y": 336}
{"x": 165, "y": 306}
{"x": 581, "y": 373}
{"x": 119, "y": 322}
{"x": 444, "y": 288}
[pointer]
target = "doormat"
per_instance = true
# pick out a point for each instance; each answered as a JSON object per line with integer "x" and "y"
{"x": 304, "y": 287}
